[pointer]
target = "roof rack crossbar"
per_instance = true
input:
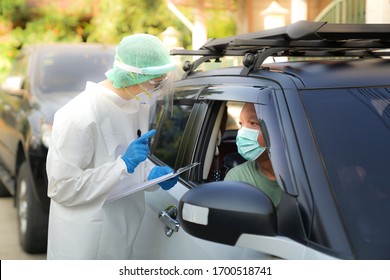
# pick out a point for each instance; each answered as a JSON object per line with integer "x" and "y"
{"x": 349, "y": 44}
{"x": 303, "y": 38}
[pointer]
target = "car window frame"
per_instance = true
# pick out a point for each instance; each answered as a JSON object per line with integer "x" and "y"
{"x": 206, "y": 99}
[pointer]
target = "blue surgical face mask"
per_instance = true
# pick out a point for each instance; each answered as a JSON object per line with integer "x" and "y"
{"x": 247, "y": 143}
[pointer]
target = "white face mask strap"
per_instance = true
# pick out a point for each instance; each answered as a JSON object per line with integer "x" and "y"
{"x": 146, "y": 91}
{"x": 131, "y": 95}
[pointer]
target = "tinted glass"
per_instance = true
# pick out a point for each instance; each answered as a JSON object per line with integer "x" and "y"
{"x": 68, "y": 71}
{"x": 171, "y": 125}
{"x": 352, "y": 129}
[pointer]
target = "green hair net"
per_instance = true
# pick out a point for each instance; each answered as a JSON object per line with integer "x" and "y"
{"x": 139, "y": 58}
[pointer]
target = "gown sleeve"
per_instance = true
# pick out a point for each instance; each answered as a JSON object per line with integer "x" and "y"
{"x": 72, "y": 177}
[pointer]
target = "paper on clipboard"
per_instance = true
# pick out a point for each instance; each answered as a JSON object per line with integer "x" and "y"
{"x": 147, "y": 184}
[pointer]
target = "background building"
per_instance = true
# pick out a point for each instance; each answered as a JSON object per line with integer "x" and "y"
{"x": 254, "y": 15}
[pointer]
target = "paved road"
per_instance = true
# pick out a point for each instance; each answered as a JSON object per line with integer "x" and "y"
{"x": 9, "y": 243}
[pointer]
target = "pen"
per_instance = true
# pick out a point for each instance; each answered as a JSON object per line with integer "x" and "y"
{"x": 139, "y": 133}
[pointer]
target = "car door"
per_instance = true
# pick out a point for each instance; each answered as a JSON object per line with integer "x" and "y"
{"x": 189, "y": 133}
{"x": 185, "y": 134}
{"x": 242, "y": 214}
{"x": 12, "y": 111}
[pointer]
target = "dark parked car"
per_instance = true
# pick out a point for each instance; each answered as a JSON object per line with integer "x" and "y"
{"x": 325, "y": 113}
{"x": 43, "y": 78}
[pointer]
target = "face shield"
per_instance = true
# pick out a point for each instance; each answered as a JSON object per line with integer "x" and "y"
{"x": 159, "y": 94}
{"x": 157, "y": 87}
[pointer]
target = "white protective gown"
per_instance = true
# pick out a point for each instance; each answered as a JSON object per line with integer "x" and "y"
{"x": 84, "y": 165}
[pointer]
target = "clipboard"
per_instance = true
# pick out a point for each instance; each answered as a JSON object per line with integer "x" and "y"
{"x": 185, "y": 168}
{"x": 147, "y": 184}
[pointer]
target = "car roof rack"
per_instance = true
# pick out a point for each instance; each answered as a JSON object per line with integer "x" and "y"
{"x": 300, "y": 39}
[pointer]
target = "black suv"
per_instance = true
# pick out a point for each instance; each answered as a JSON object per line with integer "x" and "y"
{"x": 43, "y": 78}
{"x": 325, "y": 112}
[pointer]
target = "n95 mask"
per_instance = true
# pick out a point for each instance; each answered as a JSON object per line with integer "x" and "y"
{"x": 247, "y": 143}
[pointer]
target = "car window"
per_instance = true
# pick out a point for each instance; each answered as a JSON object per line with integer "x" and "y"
{"x": 19, "y": 66}
{"x": 352, "y": 130}
{"x": 220, "y": 145}
{"x": 171, "y": 123}
{"x": 68, "y": 71}
{"x": 233, "y": 115}
{"x": 224, "y": 150}
{"x": 216, "y": 147}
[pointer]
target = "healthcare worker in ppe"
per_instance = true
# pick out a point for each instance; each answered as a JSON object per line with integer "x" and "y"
{"x": 95, "y": 151}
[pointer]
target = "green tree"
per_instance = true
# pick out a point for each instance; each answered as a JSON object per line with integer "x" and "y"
{"x": 118, "y": 18}
{"x": 52, "y": 26}
{"x": 13, "y": 11}
{"x": 20, "y": 25}
{"x": 221, "y": 22}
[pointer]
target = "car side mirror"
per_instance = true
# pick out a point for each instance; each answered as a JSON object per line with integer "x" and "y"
{"x": 14, "y": 85}
{"x": 222, "y": 211}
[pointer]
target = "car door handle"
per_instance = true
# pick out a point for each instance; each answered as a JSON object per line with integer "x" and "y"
{"x": 168, "y": 217}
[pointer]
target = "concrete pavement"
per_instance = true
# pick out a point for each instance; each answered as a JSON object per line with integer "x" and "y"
{"x": 9, "y": 243}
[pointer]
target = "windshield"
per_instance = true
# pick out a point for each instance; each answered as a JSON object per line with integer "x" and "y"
{"x": 62, "y": 70}
{"x": 352, "y": 129}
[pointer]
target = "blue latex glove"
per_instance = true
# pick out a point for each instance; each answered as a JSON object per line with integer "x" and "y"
{"x": 137, "y": 151}
{"x": 159, "y": 171}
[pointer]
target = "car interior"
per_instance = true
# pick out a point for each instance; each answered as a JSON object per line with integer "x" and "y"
{"x": 222, "y": 153}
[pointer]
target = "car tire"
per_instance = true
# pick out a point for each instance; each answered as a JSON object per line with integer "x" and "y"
{"x": 32, "y": 219}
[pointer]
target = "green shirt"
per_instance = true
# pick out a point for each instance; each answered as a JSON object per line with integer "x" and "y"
{"x": 247, "y": 172}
